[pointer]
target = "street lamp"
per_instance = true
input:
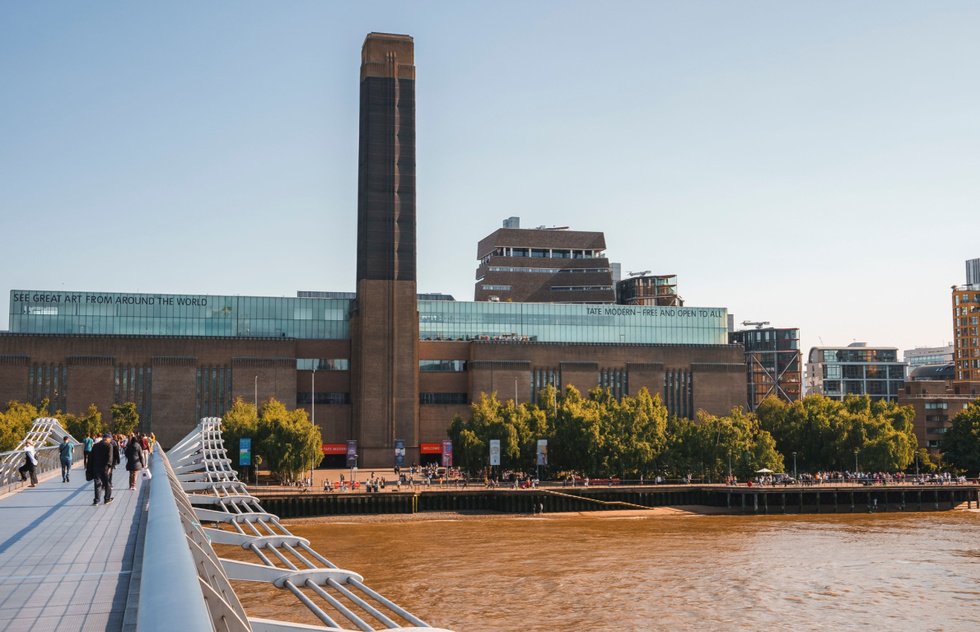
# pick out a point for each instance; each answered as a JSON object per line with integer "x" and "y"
{"x": 256, "y": 394}
{"x": 916, "y": 455}
{"x": 856, "y": 468}
{"x": 729, "y": 464}
{"x": 795, "y": 475}
{"x": 312, "y": 414}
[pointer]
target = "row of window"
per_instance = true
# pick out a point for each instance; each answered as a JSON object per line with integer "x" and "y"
{"x": 305, "y": 399}
{"x": 581, "y": 288}
{"x": 444, "y": 398}
{"x": 551, "y": 270}
{"x": 322, "y": 364}
{"x": 937, "y": 405}
{"x": 971, "y": 320}
{"x": 547, "y": 253}
{"x": 965, "y": 298}
{"x": 454, "y": 366}
{"x": 497, "y": 288}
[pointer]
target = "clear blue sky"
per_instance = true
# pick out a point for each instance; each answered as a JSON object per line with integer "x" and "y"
{"x": 811, "y": 164}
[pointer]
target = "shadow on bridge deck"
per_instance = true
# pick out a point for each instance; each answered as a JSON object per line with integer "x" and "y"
{"x": 65, "y": 564}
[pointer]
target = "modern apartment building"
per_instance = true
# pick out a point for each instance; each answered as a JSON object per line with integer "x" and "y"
{"x": 966, "y": 328}
{"x": 543, "y": 265}
{"x": 856, "y": 369}
{"x": 773, "y": 363}
{"x": 929, "y": 390}
{"x": 648, "y": 289}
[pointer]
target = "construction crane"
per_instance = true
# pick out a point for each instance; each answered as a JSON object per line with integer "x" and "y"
{"x": 748, "y": 323}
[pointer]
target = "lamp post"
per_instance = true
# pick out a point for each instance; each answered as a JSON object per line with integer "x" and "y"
{"x": 256, "y": 394}
{"x": 795, "y": 475}
{"x": 856, "y": 468}
{"x": 729, "y": 464}
{"x": 312, "y": 414}
{"x": 916, "y": 454}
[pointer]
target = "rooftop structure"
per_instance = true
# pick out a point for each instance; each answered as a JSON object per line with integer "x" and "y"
{"x": 773, "y": 363}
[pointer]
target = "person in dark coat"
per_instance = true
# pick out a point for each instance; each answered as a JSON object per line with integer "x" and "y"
{"x": 101, "y": 460}
{"x": 134, "y": 459}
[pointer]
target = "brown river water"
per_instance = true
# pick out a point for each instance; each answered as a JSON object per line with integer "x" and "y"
{"x": 583, "y": 573}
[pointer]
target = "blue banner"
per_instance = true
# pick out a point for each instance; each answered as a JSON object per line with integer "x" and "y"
{"x": 244, "y": 451}
{"x": 399, "y": 453}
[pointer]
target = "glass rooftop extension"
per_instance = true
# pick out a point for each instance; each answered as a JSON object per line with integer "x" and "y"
{"x": 107, "y": 313}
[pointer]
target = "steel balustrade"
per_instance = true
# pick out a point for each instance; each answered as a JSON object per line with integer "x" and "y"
{"x": 206, "y": 489}
{"x": 46, "y": 433}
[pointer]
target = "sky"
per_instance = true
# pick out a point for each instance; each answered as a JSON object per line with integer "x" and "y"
{"x": 813, "y": 165}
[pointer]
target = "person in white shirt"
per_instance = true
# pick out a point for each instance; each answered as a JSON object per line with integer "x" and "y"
{"x": 30, "y": 462}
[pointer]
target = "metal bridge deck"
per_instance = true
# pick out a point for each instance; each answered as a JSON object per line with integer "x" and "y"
{"x": 64, "y": 563}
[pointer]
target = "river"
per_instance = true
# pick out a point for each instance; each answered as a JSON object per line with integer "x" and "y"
{"x": 585, "y": 573}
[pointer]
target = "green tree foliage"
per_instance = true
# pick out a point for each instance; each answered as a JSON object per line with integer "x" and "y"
{"x": 17, "y": 420}
{"x": 125, "y": 419}
{"x": 290, "y": 443}
{"x": 825, "y": 432}
{"x": 960, "y": 444}
{"x": 286, "y": 439}
{"x": 81, "y": 426}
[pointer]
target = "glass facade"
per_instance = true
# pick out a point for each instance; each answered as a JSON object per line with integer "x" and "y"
{"x": 42, "y": 312}
{"x": 177, "y": 315}
{"x": 856, "y": 370}
{"x": 554, "y": 322}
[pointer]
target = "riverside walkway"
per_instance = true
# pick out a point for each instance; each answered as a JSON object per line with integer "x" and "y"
{"x": 65, "y": 564}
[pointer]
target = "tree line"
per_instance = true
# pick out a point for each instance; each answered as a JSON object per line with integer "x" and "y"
{"x": 601, "y": 436}
{"x": 18, "y": 418}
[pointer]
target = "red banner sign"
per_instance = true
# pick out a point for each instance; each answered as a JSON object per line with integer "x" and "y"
{"x": 430, "y": 448}
{"x": 334, "y": 448}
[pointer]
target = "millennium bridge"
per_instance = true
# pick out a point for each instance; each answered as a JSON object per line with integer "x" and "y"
{"x": 145, "y": 562}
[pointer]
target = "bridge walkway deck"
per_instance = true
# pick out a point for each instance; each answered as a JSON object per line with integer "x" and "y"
{"x": 65, "y": 564}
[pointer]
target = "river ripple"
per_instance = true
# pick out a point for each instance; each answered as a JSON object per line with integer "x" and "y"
{"x": 827, "y": 572}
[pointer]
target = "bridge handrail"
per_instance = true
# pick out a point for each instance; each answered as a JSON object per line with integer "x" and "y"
{"x": 45, "y": 430}
{"x": 170, "y": 594}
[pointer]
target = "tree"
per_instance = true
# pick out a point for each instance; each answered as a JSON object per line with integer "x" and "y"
{"x": 125, "y": 419}
{"x": 82, "y": 426}
{"x": 17, "y": 420}
{"x": 291, "y": 444}
{"x": 960, "y": 444}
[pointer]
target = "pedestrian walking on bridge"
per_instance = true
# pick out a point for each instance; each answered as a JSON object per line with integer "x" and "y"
{"x": 100, "y": 463}
{"x": 66, "y": 450}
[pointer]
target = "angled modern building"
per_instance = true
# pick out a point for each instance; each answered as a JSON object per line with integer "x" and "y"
{"x": 382, "y": 365}
{"x": 543, "y": 265}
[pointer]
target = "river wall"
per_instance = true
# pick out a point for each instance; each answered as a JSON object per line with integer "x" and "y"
{"x": 736, "y": 500}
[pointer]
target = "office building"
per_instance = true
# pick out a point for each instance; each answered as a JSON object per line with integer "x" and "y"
{"x": 773, "y": 363}
{"x": 856, "y": 369}
{"x": 929, "y": 391}
{"x": 543, "y": 265}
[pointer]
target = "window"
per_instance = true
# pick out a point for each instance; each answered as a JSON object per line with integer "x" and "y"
{"x": 444, "y": 399}
{"x": 442, "y": 365}
{"x": 497, "y": 288}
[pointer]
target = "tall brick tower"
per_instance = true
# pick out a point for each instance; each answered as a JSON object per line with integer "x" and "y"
{"x": 384, "y": 323}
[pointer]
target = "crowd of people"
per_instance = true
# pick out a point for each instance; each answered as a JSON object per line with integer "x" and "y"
{"x": 101, "y": 455}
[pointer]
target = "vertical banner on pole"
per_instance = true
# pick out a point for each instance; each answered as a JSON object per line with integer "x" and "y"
{"x": 244, "y": 451}
{"x": 542, "y": 451}
{"x": 399, "y": 453}
{"x": 494, "y": 451}
{"x": 352, "y": 454}
{"x": 447, "y": 453}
